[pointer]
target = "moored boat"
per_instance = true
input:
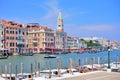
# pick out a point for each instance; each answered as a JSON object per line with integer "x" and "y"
{"x": 3, "y": 57}
{"x": 27, "y": 54}
{"x": 50, "y": 56}
{"x": 3, "y": 53}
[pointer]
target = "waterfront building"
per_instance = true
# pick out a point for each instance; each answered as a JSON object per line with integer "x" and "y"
{"x": 72, "y": 44}
{"x": 40, "y": 38}
{"x": 1, "y": 36}
{"x": 115, "y": 45}
{"x": 15, "y": 37}
{"x": 82, "y": 44}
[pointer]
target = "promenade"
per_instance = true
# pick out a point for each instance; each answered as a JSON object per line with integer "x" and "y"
{"x": 97, "y": 75}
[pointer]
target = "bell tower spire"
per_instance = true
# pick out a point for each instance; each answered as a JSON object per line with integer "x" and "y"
{"x": 60, "y": 22}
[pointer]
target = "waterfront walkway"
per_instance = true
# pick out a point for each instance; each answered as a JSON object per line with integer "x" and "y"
{"x": 97, "y": 75}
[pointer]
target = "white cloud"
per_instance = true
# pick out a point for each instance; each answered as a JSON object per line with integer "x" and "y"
{"x": 52, "y": 9}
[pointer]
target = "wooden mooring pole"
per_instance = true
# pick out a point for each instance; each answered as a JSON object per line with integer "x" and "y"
{"x": 15, "y": 72}
{"x": 22, "y": 68}
{"x": 92, "y": 63}
{"x": 117, "y": 59}
{"x": 0, "y": 71}
{"x": 5, "y": 72}
{"x": 86, "y": 61}
{"x": 10, "y": 70}
{"x": 79, "y": 65}
{"x": 83, "y": 62}
{"x": 50, "y": 70}
{"x": 31, "y": 70}
{"x": 100, "y": 62}
{"x": 38, "y": 68}
{"x": 71, "y": 62}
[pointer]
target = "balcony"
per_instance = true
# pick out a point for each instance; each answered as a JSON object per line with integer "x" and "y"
{"x": 20, "y": 43}
{"x": 20, "y": 38}
{"x": 35, "y": 40}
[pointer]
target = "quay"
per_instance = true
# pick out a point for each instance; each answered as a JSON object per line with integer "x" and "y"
{"x": 97, "y": 75}
{"x": 93, "y": 75}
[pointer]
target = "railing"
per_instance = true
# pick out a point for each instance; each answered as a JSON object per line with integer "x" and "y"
{"x": 20, "y": 42}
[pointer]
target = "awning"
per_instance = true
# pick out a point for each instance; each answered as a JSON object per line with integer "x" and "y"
{"x": 42, "y": 49}
{"x": 54, "y": 48}
{"x": 35, "y": 49}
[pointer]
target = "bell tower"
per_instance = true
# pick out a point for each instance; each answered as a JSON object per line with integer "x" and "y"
{"x": 60, "y": 23}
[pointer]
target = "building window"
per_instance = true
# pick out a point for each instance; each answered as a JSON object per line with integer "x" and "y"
{"x": 23, "y": 33}
{"x": 16, "y": 49}
{"x": 7, "y": 37}
{"x": 13, "y": 32}
{"x": 58, "y": 25}
{"x": 27, "y": 45}
{"x": 7, "y": 31}
{"x": 10, "y": 44}
{"x": 19, "y": 31}
{"x": 16, "y": 44}
{"x": 26, "y": 33}
{"x": 16, "y": 32}
{"x": 13, "y": 44}
{"x": 10, "y": 32}
{"x": 2, "y": 32}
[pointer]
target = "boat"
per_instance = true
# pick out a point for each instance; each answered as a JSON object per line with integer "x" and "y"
{"x": 27, "y": 54}
{"x": 3, "y": 53}
{"x": 3, "y": 57}
{"x": 50, "y": 56}
{"x": 64, "y": 52}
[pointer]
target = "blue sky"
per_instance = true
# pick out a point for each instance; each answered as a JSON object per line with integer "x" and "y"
{"x": 82, "y": 18}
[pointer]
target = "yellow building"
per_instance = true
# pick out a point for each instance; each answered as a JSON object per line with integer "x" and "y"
{"x": 40, "y": 38}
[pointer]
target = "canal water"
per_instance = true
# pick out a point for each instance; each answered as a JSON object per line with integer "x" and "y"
{"x": 64, "y": 58}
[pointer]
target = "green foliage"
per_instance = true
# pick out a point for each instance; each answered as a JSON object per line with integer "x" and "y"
{"x": 91, "y": 44}
{"x": 82, "y": 39}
